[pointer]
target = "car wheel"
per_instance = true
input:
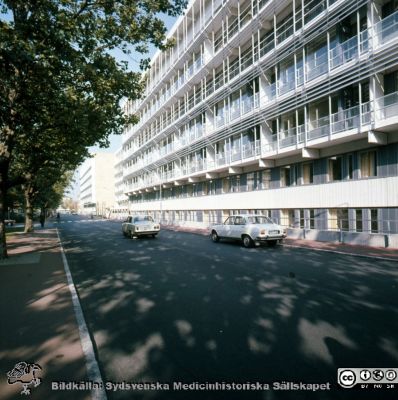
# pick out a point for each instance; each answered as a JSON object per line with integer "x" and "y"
{"x": 214, "y": 237}
{"x": 131, "y": 234}
{"x": 272, "y": 243}
{"x": 247, "y": 241}
{"x": 154, "y": 235}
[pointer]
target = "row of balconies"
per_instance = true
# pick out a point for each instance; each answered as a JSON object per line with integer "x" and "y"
{"x": 338, "y": 122}
{"x": 265, "y": 47}
{"x": 335, "y": 57}
{"x": 244, "y": 15}
{"x": 352, "y": 121}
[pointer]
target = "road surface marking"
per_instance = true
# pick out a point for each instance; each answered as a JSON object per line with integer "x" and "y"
{"x": 93, "y": 370}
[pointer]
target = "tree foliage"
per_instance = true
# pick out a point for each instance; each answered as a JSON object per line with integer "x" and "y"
{"x": 60, "y": 87}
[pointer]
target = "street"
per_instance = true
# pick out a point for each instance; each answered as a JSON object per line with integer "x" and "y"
{"x": 180, "y": 308}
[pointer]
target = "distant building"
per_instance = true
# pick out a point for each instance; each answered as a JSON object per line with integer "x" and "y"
{"x": 97, "y": 183}
{"x": 121, "y": 205}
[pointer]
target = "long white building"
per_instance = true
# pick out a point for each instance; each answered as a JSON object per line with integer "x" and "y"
{"x": 96, "y": 183}
{"x": 287, "y": 108}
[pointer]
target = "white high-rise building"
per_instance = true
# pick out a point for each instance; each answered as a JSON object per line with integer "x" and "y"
{"x": 121, "y": 207}
{"x": 287, "y": 108}
{"x": 97, "y": 187}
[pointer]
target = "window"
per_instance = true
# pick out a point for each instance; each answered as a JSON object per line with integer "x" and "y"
{"x": 205, "y": 189}
{"x": 266, "y": 179}
{"x": 235, "y": 183}
{"x": 229, "y": 221}
{"x": 358, "y": 219}
{"x": 302, "y": 222}
{"x": 335, "y": 170}
{"x": 291, "y": 218}
{"x": 212, "y": 187}
{"x": 225, "y": 185}
{"x": 250, "y": 181}
{"x": 312, "y": 219}
{"x": 285, "y": 176}
{"x": 350, "y": 166}
{"x": 332, "y": 222}
{"x": 373, "y": 221}
{"x": 239, "y": 221}
{"x": 308, "y": 173}
{"x": 368, "y": 164}
{"x": 342, "y": 219}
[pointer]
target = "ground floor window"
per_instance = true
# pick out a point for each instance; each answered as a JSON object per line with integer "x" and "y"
{"x": 374, "y": 225}
{"x": 358, "y": 221}
{"x": 312, "y": 219}
{"x": 342, "y": 219}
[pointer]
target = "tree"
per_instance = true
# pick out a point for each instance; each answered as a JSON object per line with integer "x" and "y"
{"x": 59, "y": 84}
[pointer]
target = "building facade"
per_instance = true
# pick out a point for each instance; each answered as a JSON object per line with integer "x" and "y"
{"x": 121, "y": 206}
{"x": 96, "y": 183}
{"x": 286, "y": 108}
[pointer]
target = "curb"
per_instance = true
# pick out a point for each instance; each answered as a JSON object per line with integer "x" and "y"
{"x": 312, "y": 245}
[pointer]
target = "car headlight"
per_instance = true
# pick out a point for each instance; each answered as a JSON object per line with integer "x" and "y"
{"x": 263, "y": 232}
{"x": 136, "y": 228}
{"x": 156, "y": 227}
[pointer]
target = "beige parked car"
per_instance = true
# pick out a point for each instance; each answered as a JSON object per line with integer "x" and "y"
{"x": 250, "y": 229}
{"x": 140, "y": 225}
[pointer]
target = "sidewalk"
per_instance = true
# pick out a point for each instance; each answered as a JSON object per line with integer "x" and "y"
{"x": 391, "y": 254}
{"x": 38, "y": 320}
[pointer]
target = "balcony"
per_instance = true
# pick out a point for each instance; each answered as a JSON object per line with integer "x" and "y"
{"x": 345, "y": 120}
{"x": 220, "y": 159}
{"x": 287, "y": 84}
{"x": 312, "y": 9}
{"x": 270, "y": 92}
{"x": 387, "y": 106}
{"x": 316, "y": 66}
{"x": 240, "y": 152}
{"x": 318, "y": 128}
{"x": 386, "y": 29}
{"x": 287, "y": 138}
{"x": 197, "y": 166}
{"x": 344, "y": 52}
{"x": 220, "y": 120}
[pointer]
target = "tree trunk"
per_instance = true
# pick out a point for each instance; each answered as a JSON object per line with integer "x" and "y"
{"x": 28, "y": 194}
{"x": 3, "y": 206}
{"x": 42, "y": 216}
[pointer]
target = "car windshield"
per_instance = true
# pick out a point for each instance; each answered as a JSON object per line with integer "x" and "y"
{"x": 140, "y": 219}
{"x": 258, "y": 220}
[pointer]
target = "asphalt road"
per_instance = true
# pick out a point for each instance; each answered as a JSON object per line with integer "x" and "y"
{"x": 180, "y": 308}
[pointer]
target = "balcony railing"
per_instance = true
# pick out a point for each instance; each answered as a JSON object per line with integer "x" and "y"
{"x": 234, "y": 110}
{"x": 270, "y": 92}
{"x": 197, "y": 166}
{"x": 366, "y": 113}
{"x": 313, "y": 8}
{"x": 220, "y": 120}
{"x": 387, "y": 28}
{"x": 317, "y": 66}
{"x": 287, "y": 138}
{"x": 344, "y": 52}
{"x": 318, "y": 128}
{"x": 301, "y": 133}
{"x": 287, "y": 84}
{"x": 387, "y": 106}
{"x": 220, "y": 159}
